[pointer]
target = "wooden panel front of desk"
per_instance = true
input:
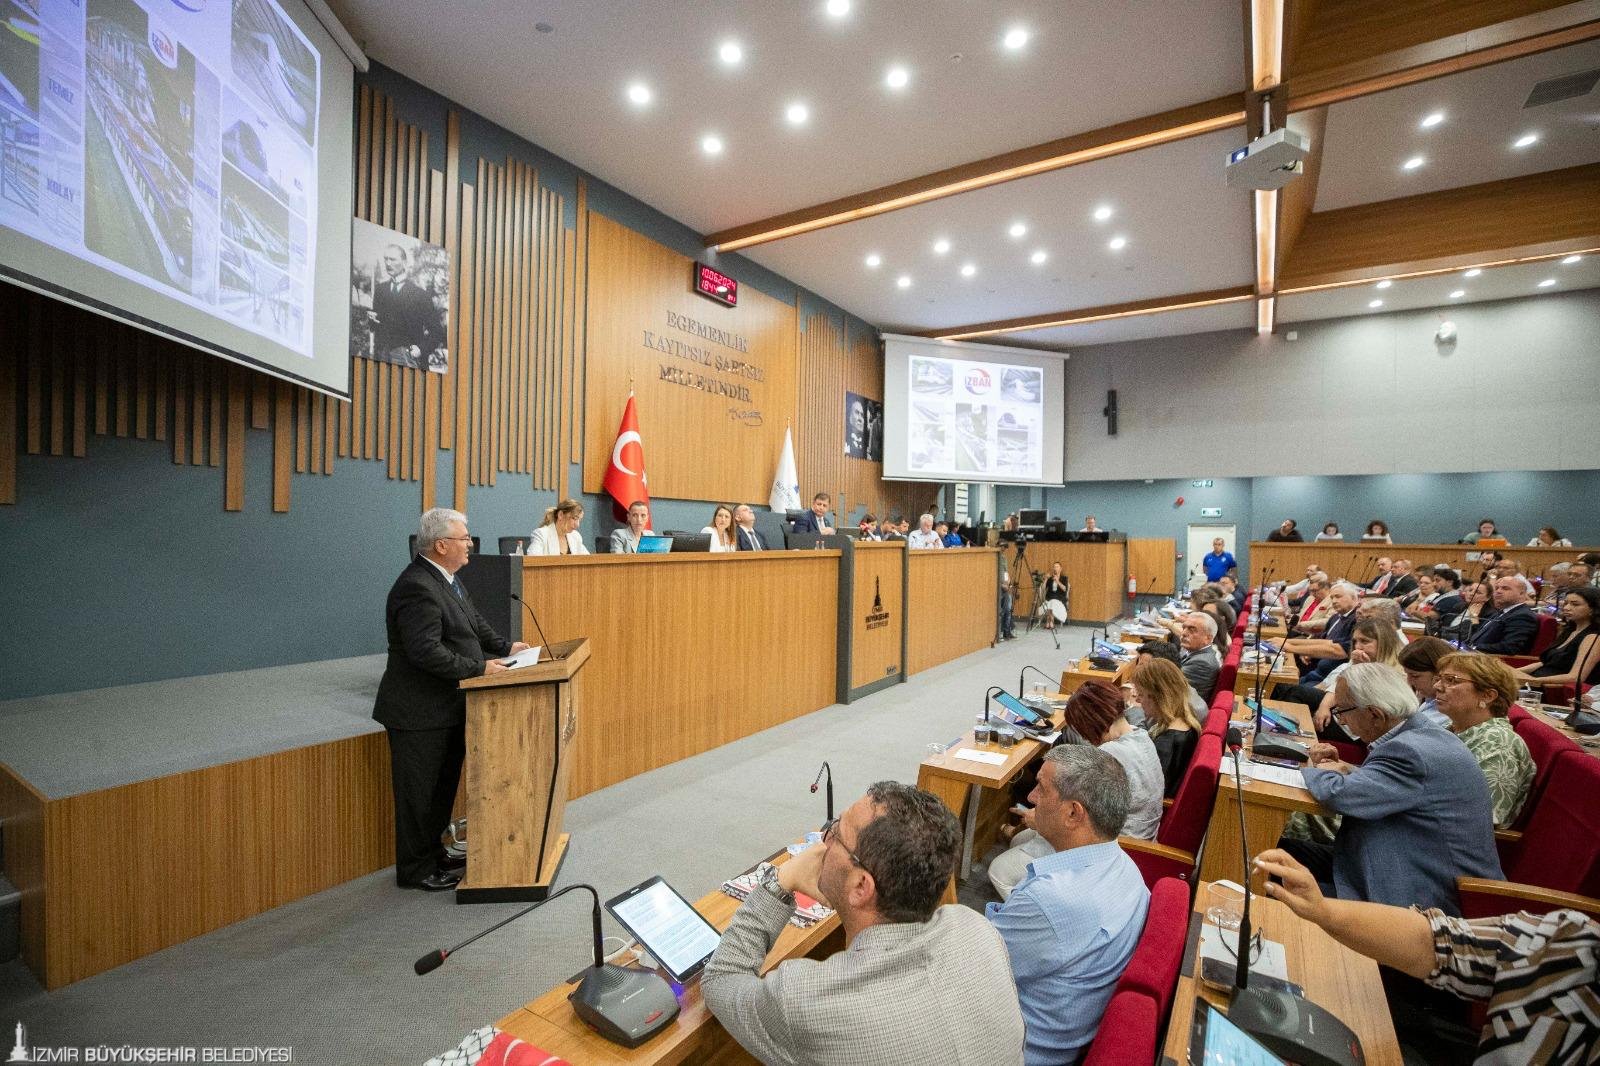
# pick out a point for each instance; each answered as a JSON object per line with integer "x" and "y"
{"x": 687, "y": 652}
{"x": 877, "y": 611}
{"x": 952, "y": 604}
{"x": 1097, "y": 574}
{"x": 1357, "y": 561}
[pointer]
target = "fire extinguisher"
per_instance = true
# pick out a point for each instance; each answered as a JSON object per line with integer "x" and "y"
{"x": 1133, "y": 586}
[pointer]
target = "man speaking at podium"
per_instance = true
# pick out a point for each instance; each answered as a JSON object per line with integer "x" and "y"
{"x": 436, "y": 638}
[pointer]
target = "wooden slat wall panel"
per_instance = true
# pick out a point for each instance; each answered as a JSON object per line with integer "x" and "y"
{"x": 8, "y": 415}
{"x": 163, "y": 394}
{"x": 302, "y": 431}
{"x": 58, "y": 397}
{"x": 199, "y": 370}
{"x": 80, "y": 401}
{"x": 314, "y": 462}
{"x": 282, "y": 445}
{"x": 436, "y": 385}
{"x": 402, "y": 443}
{"x": 141, "y": 386}
{"x": 35, "y": 400}
{"x": 569, "y": 288}
{"x": 464, "y": 331}
{"x": 124, "y": 378}
{"x": 219, "y": 389}
{"x": 452, "y": 199}
{"x": 474, "y": 359}
{"x": 517, "y": 445}
{"x": 180, "y": 409}
{"x": 233, "y": 476}
{"x": 574, "y": 408}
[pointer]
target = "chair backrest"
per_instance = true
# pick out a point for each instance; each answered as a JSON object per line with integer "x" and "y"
{"x": 1216, "y": 724}
{"x": 1128, "y": 1032}
{"x": 1561, "y": 844}
{"x": 1544, "y": 745}
{"x": 1153, "y": 968}
{"x": 1184, "y": 824}
{"x": 1547, "y": 634}
{"x": 508, "y": 545}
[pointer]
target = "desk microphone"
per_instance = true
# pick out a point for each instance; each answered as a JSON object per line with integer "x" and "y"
{"x": 626, "y": 1007}
{"x": 1023, "y": 673}
{"x": 826, "y": 769}
{"x": 542, "y": 638}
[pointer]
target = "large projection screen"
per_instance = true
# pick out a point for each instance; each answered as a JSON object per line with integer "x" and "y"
{"x": 183, "y": 166}
{"x": 972, "y": 412}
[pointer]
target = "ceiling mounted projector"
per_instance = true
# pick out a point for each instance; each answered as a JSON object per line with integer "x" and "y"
{"x": 1269, "y": 162}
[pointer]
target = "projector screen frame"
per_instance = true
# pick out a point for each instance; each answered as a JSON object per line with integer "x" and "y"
{"x": 895, "y": 414}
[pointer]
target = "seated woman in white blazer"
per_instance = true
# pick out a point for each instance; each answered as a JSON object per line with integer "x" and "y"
{"x": 558, "y": 534}
{"x": 723, "y": 536}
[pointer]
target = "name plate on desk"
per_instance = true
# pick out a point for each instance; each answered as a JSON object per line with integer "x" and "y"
{"x": 993, "y": 758}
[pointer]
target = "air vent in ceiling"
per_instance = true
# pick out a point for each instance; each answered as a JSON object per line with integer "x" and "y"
{"x": 1566, "y": 87}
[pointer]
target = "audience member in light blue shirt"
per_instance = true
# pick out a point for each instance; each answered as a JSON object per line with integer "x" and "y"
{"x": 1072, "y": 923}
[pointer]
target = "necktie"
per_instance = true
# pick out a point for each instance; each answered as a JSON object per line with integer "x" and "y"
{"x": 455, "y": 586}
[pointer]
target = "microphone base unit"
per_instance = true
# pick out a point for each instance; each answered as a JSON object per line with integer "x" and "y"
{"x": 626, "y": 1007}
{"x": 1294, "y": 1028}
{"x": 1271, "y": 747}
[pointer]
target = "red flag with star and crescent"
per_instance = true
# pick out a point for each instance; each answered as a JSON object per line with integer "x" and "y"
{"x": 625, "y": 482}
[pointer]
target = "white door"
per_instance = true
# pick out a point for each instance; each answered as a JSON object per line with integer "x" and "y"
{"x": 1199, "y": 546}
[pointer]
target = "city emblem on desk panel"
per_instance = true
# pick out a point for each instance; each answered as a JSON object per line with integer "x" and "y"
{"x": 877, "y": 617}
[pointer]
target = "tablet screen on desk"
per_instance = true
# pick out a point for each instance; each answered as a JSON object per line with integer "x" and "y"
{"x": 1218, "y": 1042}
{"x": 1018, "y": 708}
{"x": 667, "y": 926}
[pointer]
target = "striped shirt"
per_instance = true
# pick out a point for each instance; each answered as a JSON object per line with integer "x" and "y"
{"x": 1506, "y": 764}
{"x": 1538, "y": 973}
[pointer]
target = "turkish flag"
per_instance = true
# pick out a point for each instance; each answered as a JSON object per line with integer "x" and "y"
{"x": 625, "y": 481}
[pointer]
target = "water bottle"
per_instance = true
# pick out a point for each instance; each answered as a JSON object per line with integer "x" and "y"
{"x": 519, "y": 548}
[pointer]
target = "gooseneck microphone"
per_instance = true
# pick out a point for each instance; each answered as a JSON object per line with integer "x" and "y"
{"x": 550, "y": 652}
{"x": 625, "y": 1006}
{"x": 1241, "y": 969}
{"x": 1023, "y": 673}
{"x": 826, "y": 769}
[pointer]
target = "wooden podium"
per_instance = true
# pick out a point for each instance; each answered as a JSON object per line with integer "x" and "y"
{"x": 520, "y": 726}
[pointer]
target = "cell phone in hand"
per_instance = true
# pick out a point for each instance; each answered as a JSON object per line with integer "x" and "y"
{"x": 1220, "y": 974}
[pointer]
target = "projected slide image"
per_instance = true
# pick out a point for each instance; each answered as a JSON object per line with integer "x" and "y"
{"x": 1016, "y": 445}
{"x": 253, "y": 291}
{"x": 273, "y": 60}
{"x": 931, "y": 377}
{"x": 1021, "y": 384}
{"x": 19, "y": 58}
{"x": 254, "y": 219}
{"x": 266, "y": 153}
{"x": 930, "y": 447}
{"x": 139, "y": 156}
{"x": 972, "y": 437}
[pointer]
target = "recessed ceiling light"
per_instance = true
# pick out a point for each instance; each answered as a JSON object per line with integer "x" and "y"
{"x": 897, "y": 78}
{"x": 1015, "y": 38}
{"x": 797, "y": 114}
{"x": 711, "y": 144}
{"x": 639, "y": 94}
{"x": 1117, "y": 243}
{"x": 838, "y": 8}
{"x": 1374, "y": 303}
{"x": 941, "y": 246}
{"x": 544, "y": 27}
{"x": 730, "y": 53}
{"x": 1546, "y": 283}
{"x": 1569, "y": 260}
{"x": 1102, "y": 213}
{"x": 904, "y": 281}
{"x": 1458, "y": 294}
{"x": 1525, "y": 140}
{"x": 967, "y": 270}
{"x": 1474, "y": 272}
{"x": 1432, "y": 120}
{"x": 874, "y": 260}
{"x": 1413, "y": 163}
{"x": 1385, "y": 283}
{"x": 1018, "y": 229}
{"x": 1038, "y": 257}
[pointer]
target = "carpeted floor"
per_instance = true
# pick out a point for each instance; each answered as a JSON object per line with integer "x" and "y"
{"x": 330, "y": 976}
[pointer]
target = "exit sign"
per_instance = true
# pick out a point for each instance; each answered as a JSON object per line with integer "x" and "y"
{"x": 1210, "y": 512}
{"x": 1206, "y": 484}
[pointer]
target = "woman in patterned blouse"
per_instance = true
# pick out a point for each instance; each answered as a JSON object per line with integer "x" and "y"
{"x": 1539, "y": 974}
{"x": 1476, "y": 691}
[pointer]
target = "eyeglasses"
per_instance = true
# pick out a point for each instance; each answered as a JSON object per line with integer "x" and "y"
{"x": 1340, "y": 712}
{"x": 468, "y": 539}
{"x": 1455, "y": 679}
{"x": 830, "y": 833}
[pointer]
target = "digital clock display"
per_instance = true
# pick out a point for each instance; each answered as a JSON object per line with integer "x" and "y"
{"x": 715, "y": 285}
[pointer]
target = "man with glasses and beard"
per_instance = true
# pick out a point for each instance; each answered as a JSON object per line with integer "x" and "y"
{"x": 916, "y": 982}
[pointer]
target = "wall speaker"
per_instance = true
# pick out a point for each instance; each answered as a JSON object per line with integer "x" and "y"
{"x": 1110, "y": 411}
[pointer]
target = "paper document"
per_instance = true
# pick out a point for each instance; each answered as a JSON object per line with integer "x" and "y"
{"x": 1219, "y": 944}
{"x": 993, "y": 758}
{"x": 1277, "y": 775}
{"x": 526, "y": 657}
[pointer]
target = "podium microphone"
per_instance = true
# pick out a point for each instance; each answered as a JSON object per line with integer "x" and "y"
{"x": 826, "y": 769}
{"x": 543, "y": 640}
{"x": 626, "y": 1007}
{"x": 1291, "y": 1027}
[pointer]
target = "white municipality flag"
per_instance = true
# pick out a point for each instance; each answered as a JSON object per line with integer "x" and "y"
{"x": 786, "y": 482}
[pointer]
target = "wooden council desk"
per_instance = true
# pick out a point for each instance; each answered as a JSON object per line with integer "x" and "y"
{"x": 1097, "y": 576}
{"x": 1333, "y": 976}
{"x": 1356, "y": 561}
{"x": 549, "y": 1022}
{"x": 1080, "y": 671}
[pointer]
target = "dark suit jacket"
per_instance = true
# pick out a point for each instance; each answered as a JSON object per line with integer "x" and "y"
{"x": 751, "y": 540}
{"x": 1340, "y": 630}
{"x": 404, "y": 318}
{"x": 1508, "y": 632}
{"x": 1399, "y": 588}
{"x": 806, "y": 523}
{"x": 435, "y": 640}
{"x": 1448, "y": 606}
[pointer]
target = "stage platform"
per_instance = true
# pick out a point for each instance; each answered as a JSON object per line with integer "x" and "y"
{"x": 142, "y": 815}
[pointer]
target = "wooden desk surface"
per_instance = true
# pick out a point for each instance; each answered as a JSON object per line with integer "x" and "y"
{"x": 1333, "y": 976}
{"x": 550, "y": 1022}
{"x": 1267, "y": 806}
{"x": 985, "y": 775}
{"x": 1079, "y": 671}
{"x": 1590, "y": 745}
{"x": 1245, "y": 682}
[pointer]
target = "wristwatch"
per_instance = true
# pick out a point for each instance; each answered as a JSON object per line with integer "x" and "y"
{"x": 769, "y": 881}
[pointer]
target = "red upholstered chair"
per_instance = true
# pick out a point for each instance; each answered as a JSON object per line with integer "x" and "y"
{"x": 1177, "y": 842}
{"x": 1547, "y": 634}
{"x": 1127, "y": 1033}
{"x": 1544, "y": 744}
{"x": 1216, "y": 723}
{"x": 1153, "y": 969}
{"x": 1559, "y": 850}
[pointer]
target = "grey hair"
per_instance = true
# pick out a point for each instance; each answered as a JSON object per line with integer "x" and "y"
{"x": 1382, "y": 686}
{"x": 1381, "y": 607}
{"x": 1094, "y": 778}
{"x": 1320, "y": 575}
{"x": 1347, "y": 586}
{"x": 1560, "y": 568}
{"x": 435, "y": 526}
{"x": 1207, "y": 622}
{"x": 1527, "y": 586}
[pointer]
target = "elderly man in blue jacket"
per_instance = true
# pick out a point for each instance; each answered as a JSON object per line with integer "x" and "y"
{"x": 1416, "y": 814}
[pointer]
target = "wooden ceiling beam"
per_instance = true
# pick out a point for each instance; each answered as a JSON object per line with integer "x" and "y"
{"x": 1515, "y": 220}
{"x": 1081, "y": 315}
{"x": 1178, "y": 124}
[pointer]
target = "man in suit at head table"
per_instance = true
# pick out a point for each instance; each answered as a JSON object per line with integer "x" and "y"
{"x": 750, "y": 538}
{"x": 816, "y": 519}
{"x": 436, "y": 639}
